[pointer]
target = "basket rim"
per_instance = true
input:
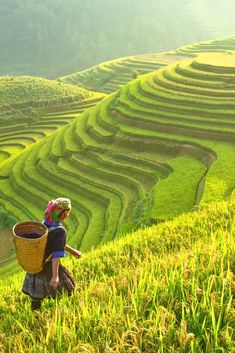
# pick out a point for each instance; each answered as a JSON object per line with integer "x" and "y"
{"x": 28, "y": 222}
{"x": 29, "y": 239}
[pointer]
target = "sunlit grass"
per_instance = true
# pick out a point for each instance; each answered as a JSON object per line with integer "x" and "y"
{"x": 177, "y": 193}
{"x": 168, "y": 288}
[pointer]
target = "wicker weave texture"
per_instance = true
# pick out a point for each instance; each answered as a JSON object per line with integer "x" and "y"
{"x": 30, "y": 252}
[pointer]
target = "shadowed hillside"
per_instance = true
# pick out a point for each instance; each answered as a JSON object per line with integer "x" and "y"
{"x": 54, "y": 38}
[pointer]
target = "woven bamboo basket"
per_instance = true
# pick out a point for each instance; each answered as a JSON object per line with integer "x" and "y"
{"x": 30, "y": 242}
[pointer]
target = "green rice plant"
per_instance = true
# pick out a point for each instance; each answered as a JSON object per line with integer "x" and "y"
{"x": 27, "y": 92}
{"x": 166, "y": 288}
{"x": 83, "y": 138}
{"x": 17, "y": 143}
{"x": 224, "y": 155}
{"x": 77, "y": 218}
{"x": 69, "y": 187}
{"x": 216, "y": 84}
{"x": 196, "y": 102}
{"x": 144, "y": 109}
{"x": 170, "y": 105}
{"x": 218, "y": 185}
{"x": 36, "y": 179}
{"x": 221, "y": 45}
{"x": 33, "y": 134}
{"x": 93, "y": 127}
{"x": 69, "y": 136}
{"x": 129, "y": 187}
{"x": 142, "y": 176}
{"x": 10, "y": 204}
{"x": 58, "y": 145}
{"x": 25, "y": 192}
{"x": 26, "y": 89}
{"x": 185, "y": 69}
{"x": 159, "y": 169}
{"x": 22, "y": 179}
{"x": 4, "y": 154}
{"x": 114, "y": 200}
{"x": 106, "y": 77}
{"x": 148, "y": 119}
{"x": 166, "y": 82}
{"x": 177, "y": 193}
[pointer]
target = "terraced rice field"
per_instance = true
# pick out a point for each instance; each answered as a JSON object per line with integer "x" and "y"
{"x": 22, "y": 96}
{"x": 220, "y": 45}
{"x": 189, "y": 101}
{"x": 26, "y": 90}
{"x": 156, "y": 148}
{"x": 15, "y": 137}
{"x": 26, "y": 110}
{"x": 107, "y": 77}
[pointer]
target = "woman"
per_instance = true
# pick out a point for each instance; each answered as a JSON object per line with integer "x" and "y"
{"x": 54, "y": 278}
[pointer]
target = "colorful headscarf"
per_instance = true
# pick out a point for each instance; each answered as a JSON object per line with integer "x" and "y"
{"x": 50, "y": 214}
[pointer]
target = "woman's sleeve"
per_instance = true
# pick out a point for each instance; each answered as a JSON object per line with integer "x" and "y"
{"x": 58, "y": 248}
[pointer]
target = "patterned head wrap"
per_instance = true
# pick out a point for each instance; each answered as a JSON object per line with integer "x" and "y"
{"x": 61, "y": 203}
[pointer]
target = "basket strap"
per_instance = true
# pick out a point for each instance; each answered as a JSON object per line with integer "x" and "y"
{"x": 47, "y": 259}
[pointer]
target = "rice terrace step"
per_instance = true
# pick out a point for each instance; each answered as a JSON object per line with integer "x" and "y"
{"x": 144, "y": 147}
{"x": 177, "y": 121}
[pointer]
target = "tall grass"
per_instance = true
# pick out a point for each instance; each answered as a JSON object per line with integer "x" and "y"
{"x": 168, "y": 288}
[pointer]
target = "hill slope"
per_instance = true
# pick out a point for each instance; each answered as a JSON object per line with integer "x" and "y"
{"x": 168, "y": 288}
{"x": 143, "y": 155}
{"x": 26, "y": 110}
{"x": 26, "y": 92}
{"x": 108, "y": 76}
{"x": 219, "y": 45}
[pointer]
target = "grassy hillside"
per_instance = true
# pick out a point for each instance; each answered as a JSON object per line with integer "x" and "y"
{"x": 19, "y": 94}
{"x": 109, "y": 76}
{"x": 168, "y": 288}
{"x": 160, "y": 146}
{"x": 156, "y": 148}
{"x": 27, "y": 110}
{"x": 219, "y": 45}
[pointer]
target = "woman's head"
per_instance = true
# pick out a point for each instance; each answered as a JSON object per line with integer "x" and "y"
{"x": 58, "y": 210}
{"x": 63, "y": 215}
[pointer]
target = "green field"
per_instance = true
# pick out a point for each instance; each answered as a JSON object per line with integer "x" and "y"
{"x": 166, "y": 288}
{"x": 21, "y": 95}
{"x": 32, "y": 108}
{"x": 107, "y": 77}
{"x": 146, "y": 153}
{"x": 156, "y": 148}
